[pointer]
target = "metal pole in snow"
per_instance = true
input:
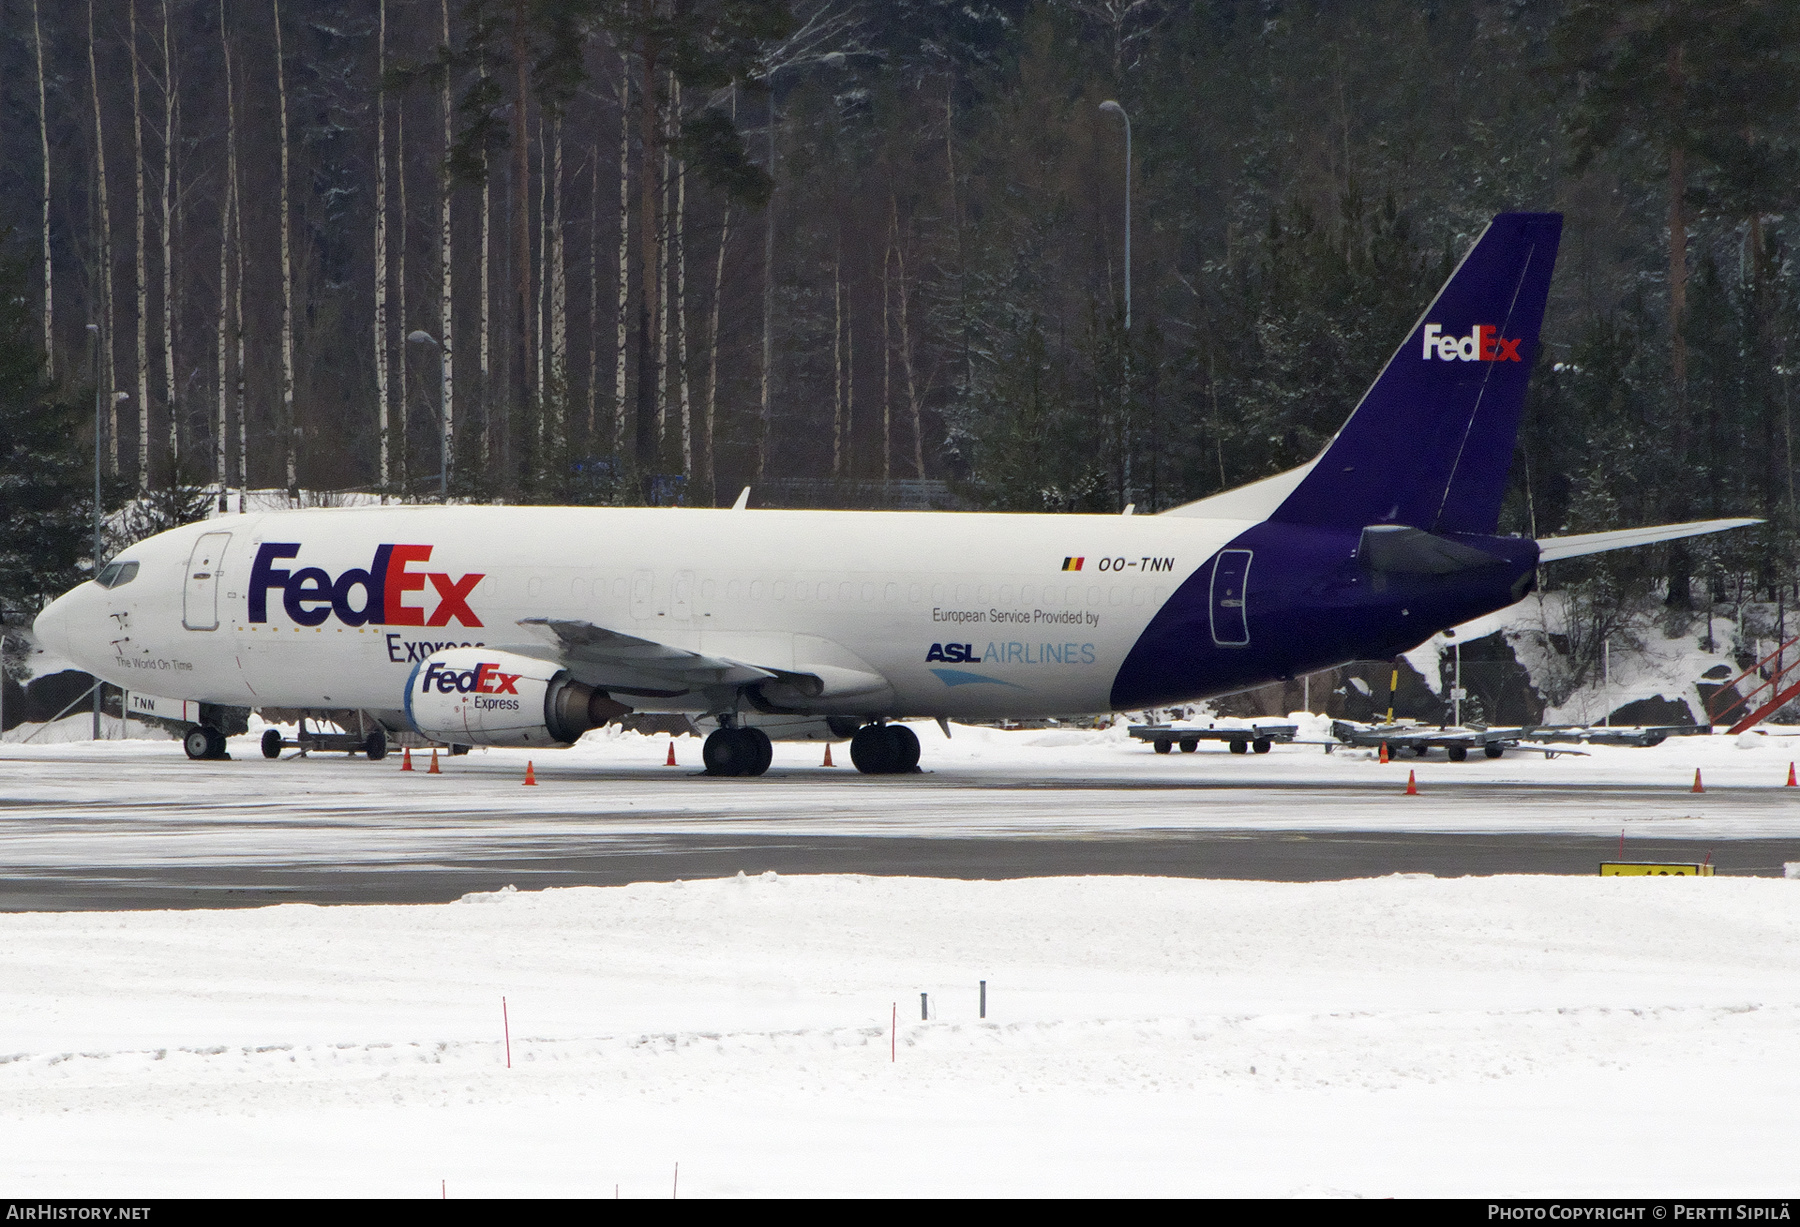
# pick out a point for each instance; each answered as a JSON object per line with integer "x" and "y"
{"x": 894, "y": 1023}
{"x": 984, "y": 998}
{"x": 506, "y": 1029}
{"x": 924, "y": 1009}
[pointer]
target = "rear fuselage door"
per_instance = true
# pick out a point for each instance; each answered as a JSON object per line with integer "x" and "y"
{"x": 1231, "y": 572}
{"x": 200, "y": 591}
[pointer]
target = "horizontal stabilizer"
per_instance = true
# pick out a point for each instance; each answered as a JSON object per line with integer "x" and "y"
{"x": 1550, "y": 549}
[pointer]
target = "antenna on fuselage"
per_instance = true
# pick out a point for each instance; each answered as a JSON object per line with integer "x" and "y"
{"x": 743, "y": 500}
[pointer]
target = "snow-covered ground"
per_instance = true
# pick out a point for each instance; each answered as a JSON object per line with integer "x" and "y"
{"x": 1394, "y": 1036}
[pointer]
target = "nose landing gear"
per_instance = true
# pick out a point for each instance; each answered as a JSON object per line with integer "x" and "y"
{"x": 884, "y": 749}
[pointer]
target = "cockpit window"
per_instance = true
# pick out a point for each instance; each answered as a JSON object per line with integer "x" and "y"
{"x": 114, "y": 574}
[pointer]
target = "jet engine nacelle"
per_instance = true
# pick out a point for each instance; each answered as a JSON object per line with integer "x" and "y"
{"x": 480, "y": 697}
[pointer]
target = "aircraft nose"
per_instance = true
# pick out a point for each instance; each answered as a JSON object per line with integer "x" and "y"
{"x": 52, "y": 627}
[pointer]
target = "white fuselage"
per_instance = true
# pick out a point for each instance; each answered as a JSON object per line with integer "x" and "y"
{"x": 967, "y": 615}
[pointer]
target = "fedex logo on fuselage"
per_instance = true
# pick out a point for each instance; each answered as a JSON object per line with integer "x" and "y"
{"x": 1483, "y": 344}
{"x": 312, "y": 594}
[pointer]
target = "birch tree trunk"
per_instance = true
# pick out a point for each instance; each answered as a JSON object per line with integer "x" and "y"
{"x": 37, "y": 42}
{"x": 237, "y": 243}
{"x": 887, "y": 352}
{"x": 521, "y": 257}
{"x": 544, "y": 394}
{"x": 837, "y": 363}
{"x": 620, "y": 354}
{"x": 680, "y": 261}
{"x": 446, "y": 300}
{"x": 649, "y": 240}
{"x": 221, "y": 421}
{"x": 291, "y": 428}
{"x": 559, "y": 297}
{"x": 108, "y": 376}
{"x": 709, "y": 477}
{"x": 381, "y": 252}
{"x": 906, "y": 365}
{"x": 143, "y": 287}
{"x": 593, "y": 316}
{"x": 403, "y": 419}
{"x": 168, "y": 249}
{"x": 664, "y": 184}
{"x": 487, "y": 390}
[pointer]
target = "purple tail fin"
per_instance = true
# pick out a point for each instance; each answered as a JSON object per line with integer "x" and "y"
{"x": 1432, "y": 440}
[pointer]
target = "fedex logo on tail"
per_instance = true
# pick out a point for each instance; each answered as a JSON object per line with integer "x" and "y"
{"x": 372, "y": 596}
{"x": 1483, "y": 344}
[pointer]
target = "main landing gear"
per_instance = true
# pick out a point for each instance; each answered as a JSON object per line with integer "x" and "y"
{"x": 737, "y": 751}
{"x": 204, "y": 741}
{"x": 884, "y": 749}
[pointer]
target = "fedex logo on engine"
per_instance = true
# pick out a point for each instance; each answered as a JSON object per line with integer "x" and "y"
{"x": 484, "y": 678}
{"x": 312, "y": 594}
{"x": 1483, "y": 344}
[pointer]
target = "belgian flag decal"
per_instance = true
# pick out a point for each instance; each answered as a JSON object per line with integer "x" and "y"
{"x": 1073, "y": 564}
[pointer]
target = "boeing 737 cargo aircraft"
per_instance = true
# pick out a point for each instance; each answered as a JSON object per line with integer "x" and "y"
{"x": 528, "y": 626}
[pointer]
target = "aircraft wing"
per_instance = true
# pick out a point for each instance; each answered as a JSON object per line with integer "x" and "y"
{"x": 631, "y": 665}
{"x": 1552, "y": 548}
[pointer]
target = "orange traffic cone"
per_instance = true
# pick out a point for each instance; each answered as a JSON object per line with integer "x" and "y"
{"x": 433, "y": 769}
{"x": 1792, "y": 782}
{"x": 406, "y": 758}
{"x": 1412, "y": 785}
{"x": 530, "y": 779}
{"x": 1384, "y": 756}
{"x": 1698, "y": 786}
{"x": 671, "y": 761}
{"x": 828, "y": 754}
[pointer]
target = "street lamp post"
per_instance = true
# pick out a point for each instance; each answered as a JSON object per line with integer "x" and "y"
{"x": 421, "y": 337}
{"x": 1113, "y": 107}
{"x": 99, "y": 424}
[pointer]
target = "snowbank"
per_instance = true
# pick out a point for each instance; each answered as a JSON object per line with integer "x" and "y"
{"x": 1396, "y": 1036}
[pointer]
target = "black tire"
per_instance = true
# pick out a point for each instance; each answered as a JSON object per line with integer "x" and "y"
{"x": 1421, "y": 751}
{"x": 1261, "y": 745}
{"x": 724, "y": 753}
{"x": 758, "y": 750}
{"x": 215, "y": 743}
{"x": 458, "y": 751}
{"x": 1457, "y": 753}
{"x": 1493, "y": 749}
{"x": 271, "y": 743}
{"x": 1240, "y": 747}
{"x": 375, "y": 745}
{"x": 1189, "y": 745}
{"x": 906, "y": 747}
{"x": 872, "y": 750}
{"x": 1163, "y": 747}
{"x": 196, "y": 742}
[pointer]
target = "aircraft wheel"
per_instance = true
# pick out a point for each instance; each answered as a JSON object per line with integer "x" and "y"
{"x": 1457, "y": 753}
{"x": 1261, "y": 745}
{"x": 375, "y": 745}
{"x": 196, "y": 742}
{"x": 1240, "y": 747}
{"x": 1493, "y": 749}
{"x": 873, "y": 751}
{"x": 1163, "y": 747}
{"x": 271, "y": 743}
{"x": 1189, "y": 745}
{"x": 906, "y": 747}
{"x": 758, "y": 750}
{"x": 726, "y": 752}
{"x": 458, "y": 751}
